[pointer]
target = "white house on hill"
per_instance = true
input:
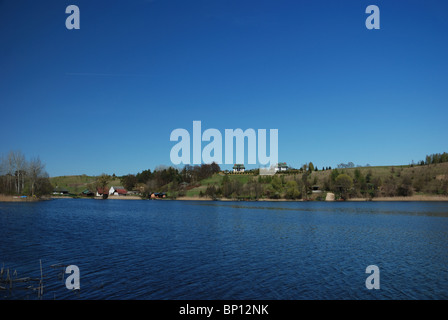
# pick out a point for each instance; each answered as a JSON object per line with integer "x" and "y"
{"x": 238, "y": 168}
{"x": 282, "y": 166}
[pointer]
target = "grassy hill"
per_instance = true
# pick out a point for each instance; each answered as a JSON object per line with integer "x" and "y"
{"x": 367, "y": 181}
{"x": 418, "y": 179}
{"x": 216, "y": 179}
{"x": 77, "y": 184}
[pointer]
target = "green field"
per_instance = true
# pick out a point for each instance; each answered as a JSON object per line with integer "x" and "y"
{"x": 79, "y": 183}
{"x": 216, "y": 179}
{"x": 426, "y": 178}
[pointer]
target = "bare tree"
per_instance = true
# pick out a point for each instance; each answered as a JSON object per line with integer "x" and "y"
{"x": 102, "y": 181}
{"x": 35, "y": 171}
{"x": 9, "y": 167}
{"x": 4, "y": 172}
{"x": 18, "y": 164}
{"x": 18, "y": 176}
{"x": 151, "y": 186}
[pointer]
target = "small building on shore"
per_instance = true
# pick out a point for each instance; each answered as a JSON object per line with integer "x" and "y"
{"x": 102, "y": 193}
{"x": 61, "y": 192}
{"x": 87, "y": 193}
{"x": 157, "y": 195}
{"x": 117, "y": 191}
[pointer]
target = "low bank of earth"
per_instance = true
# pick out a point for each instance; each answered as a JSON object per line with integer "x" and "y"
{"x": 4, "y": 198}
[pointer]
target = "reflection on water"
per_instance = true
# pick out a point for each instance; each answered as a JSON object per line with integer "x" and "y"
{"x": 229, "y": 250}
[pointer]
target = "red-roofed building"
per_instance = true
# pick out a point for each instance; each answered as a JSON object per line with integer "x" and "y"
{"x": 102, "y": 192}
{"x": 117, "y": 191}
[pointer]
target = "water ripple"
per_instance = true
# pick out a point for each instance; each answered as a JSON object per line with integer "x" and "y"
{"x": 213, "y": 250}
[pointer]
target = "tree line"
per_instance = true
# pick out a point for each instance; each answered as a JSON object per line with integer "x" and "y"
{"x": 436, "y": 158}
{"x": 164, "y": 179}
{"x": 19, "y": 176}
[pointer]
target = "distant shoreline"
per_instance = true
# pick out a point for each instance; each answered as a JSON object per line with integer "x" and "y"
{"x": 415, "y": 198}
{"x": 4, "y": 198}
{"x": 225, "y": 199}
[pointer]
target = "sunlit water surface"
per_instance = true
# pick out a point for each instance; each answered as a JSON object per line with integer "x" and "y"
{"x": 227, "y": 250}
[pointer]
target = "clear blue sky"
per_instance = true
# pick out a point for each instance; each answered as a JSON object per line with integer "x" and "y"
{"x": 105, "y": 98}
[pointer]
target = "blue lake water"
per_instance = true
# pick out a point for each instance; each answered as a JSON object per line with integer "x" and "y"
{"x": 228, "y": 250}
